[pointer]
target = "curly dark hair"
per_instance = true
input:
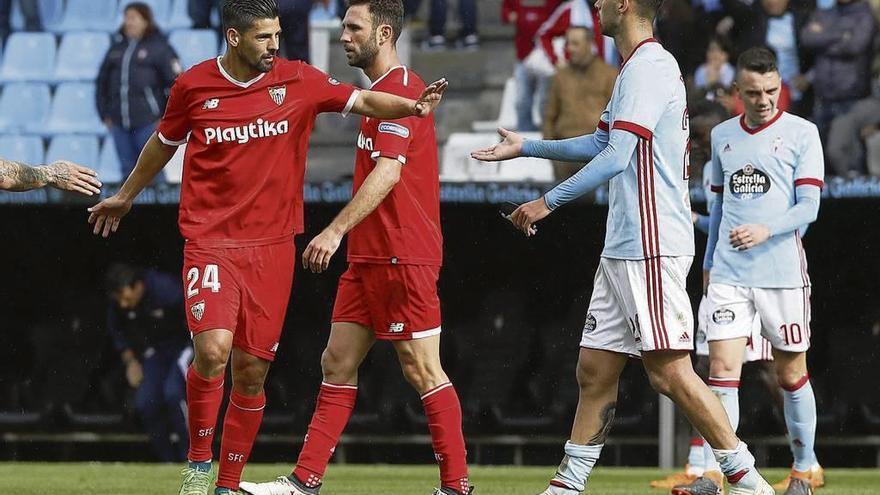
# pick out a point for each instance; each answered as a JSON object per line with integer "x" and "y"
{"x": 242, "y": 14}
{"x": 384, "y": 12}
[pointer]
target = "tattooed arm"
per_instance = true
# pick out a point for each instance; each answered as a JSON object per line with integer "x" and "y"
{"x": 64, "y": 175}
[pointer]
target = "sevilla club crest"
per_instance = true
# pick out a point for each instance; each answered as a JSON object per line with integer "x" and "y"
{"x": 198, "y": 310}
{"x": 278, "y": 93}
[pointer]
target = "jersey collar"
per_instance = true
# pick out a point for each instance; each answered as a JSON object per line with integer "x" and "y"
{"x": 383, "y": 76}
{"x": 236, "y": 81}
{"x": 641, "y": 43}
{"x": 742, "y": 122}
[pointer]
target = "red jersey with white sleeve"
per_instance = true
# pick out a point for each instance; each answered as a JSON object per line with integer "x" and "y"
{"x": 246, "y": 148}
{"x": 405, "y": 227}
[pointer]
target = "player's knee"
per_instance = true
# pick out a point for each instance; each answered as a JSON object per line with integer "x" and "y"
{"x": 422, "y": 374}
{"x": 790, "y": 377}
{"x": 337, "y": 368}
{"x": 663, "y": 381}
{"x": 211, "y": 359}
{"x": 591, "y": 376}
{"x": 723, "y": 368}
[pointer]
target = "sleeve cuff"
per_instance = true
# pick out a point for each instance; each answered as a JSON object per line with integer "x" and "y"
{"x": 809, "y": 181}
{"x": 603, "y": 126}
{"x": 636, "y": 129}
{"x": 171, "y": 142}
{"x": 394, "y": 156}
{"x": 716, "y": 189}
{"x": 351, "y": 101}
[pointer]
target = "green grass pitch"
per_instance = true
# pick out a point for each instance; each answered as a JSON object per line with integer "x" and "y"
{"x": 146, "y": 479}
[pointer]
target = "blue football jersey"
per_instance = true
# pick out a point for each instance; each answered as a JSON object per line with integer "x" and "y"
{"x": 758, "y": 171}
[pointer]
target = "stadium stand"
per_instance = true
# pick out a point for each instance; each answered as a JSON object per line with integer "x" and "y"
{"x": 28, "y": 149}
{"x": 80, "y": 55}
{"x": 24, "y": 107}
{"x": 194, "y": 45}
{"x": 73, "y": 110}
{"x": 78, "y": 149}
{"x": 161, "y": 10}
{"x": 88, "y": 15}
{"x": 178, "y": 18}
{"x": 28, "y": 57}
{"x": 108, "y": 167}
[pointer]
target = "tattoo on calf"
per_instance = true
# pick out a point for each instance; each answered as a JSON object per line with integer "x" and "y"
{"x": 607, "y": 416}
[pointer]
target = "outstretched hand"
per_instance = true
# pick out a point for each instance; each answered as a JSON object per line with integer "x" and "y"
{"x": 510, "y": 147}
{"x": 69, "y": 176}
{"x": 430, "y": 98}
{"x": 107, "y": 214}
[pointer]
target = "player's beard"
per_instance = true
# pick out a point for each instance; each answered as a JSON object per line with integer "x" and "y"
{"x": 264, "y": 65}
{"x": 368, "y": 51}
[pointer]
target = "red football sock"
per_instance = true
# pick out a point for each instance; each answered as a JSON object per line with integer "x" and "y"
{"x": 203, "y": 398}
{"x": 444, "y": 420}
{"x": 243, "y": 416}
{"x": 335, "y": 403}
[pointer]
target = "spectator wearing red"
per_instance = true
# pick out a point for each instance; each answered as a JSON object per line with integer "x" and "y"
{"x": 576, "y": 13}
{"x": 528, "y": 16}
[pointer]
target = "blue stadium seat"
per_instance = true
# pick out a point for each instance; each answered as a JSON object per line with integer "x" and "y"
{"x": 80, "y": 55}
{"x": 179, "y": 18}
{"x": 74, "y": 111}
{"x": 109, "y": 170}
{"x": 51, "y": 13}
{"x": 27, "y": 149}
{"x": 78, "y": 149}
{"x": 24, "y": 107}
{"x": 28, "y": 57}
{"x": 89, "y": 15}
{"x": 194, "y": 45}
{"x": 161, "y": 10}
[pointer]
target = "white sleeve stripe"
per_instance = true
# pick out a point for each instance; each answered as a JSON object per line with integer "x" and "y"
{"x": 169, "y": 142}
{"x": 351, "y": 101}
{"x": 377, "y": 154}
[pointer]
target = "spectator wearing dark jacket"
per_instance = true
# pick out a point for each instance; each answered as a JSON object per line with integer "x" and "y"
{"x": 30, "y": 10}
{"x": 775, "y": 24}
{"x": 527, "y": 16}
{"x": 294, "y": 17}
{"x": 145, "y": 319}
{"x": 133, "y": 83}
{"x": 841, "y": 39}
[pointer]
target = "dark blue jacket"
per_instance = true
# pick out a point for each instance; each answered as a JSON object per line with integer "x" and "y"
{"x": 843, "y": 49}
{"x": 134, "y": 80}
{"x": 158, "y": 320}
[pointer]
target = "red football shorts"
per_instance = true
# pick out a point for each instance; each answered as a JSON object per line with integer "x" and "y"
{"x": 398, "y": 302}
{"x": 245, "y": 290}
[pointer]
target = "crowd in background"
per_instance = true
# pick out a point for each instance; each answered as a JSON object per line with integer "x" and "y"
{"x": 825, "y": 50}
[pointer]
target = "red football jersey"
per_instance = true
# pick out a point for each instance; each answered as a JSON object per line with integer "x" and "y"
{"x": 245, "y": 159}
{"x": 405, "y": 228}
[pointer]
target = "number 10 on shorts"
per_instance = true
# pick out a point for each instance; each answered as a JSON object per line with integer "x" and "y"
{"x": 210, "y": 280}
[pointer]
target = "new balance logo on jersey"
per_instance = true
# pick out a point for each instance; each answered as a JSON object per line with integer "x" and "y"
{"x": 365, "y": 143}
{"x": 211, "y": 104}
{"x": 396, "y": 328}
{"x": 242, "y": 134}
